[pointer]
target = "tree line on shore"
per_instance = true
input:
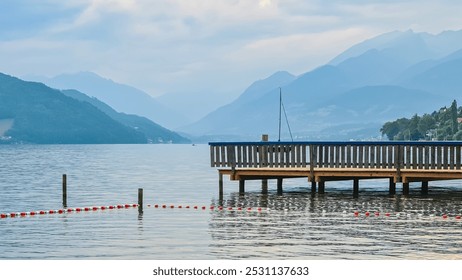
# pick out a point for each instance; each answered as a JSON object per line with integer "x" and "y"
{"x": 444, "y": 124}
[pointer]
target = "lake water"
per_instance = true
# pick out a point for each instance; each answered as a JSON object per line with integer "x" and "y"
{"x": 295, "y": 225}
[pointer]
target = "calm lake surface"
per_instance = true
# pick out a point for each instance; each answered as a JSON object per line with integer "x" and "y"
{"x": 296, "y": 225}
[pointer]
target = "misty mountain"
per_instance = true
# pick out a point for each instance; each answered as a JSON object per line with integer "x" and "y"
{"x": 394, "y": 75}
{"x": 31, "y": 112}
{"x": 153, "y": 132}
{"x": 122, "y": 98}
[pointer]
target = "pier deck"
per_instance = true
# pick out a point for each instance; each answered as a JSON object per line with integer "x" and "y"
{"x": 320, "y": 162}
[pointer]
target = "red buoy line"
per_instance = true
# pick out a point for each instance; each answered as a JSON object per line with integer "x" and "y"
{"x": 211, "y": 208}
{"x": 66, "y": 210}
{"x": 357, "y": 214}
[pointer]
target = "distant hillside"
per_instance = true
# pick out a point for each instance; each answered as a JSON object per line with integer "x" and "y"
{"x": 122, "y": 98}
{"x": 34, "y": 113}
{"x": 394, "y": 75}
{"x": 154, "y": 132}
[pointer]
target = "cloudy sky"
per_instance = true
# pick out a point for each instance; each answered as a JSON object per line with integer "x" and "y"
{"x": 218, "y": 46}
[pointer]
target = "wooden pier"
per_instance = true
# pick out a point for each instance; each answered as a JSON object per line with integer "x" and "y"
{"x": 320, "y": 162}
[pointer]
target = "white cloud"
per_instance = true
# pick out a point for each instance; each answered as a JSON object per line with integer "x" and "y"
{"x": 177, "y": 45}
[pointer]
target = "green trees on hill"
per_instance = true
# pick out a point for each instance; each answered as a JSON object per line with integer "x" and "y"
{"x": 439, "y": 125}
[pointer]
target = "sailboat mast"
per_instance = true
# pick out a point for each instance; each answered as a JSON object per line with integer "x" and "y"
{"x": 280, "y": 112}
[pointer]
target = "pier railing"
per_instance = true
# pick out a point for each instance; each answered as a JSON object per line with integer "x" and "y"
{"x": 349, "y": 154}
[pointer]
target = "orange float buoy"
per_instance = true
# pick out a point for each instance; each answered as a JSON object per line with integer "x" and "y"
{"x": 377, "y": 214}
{"x": 367, "y": 214}
{"x": 356, "y": 213}
{"x": 212, "y": 207}
{"x": 51, "y": 212}
{"x": 42, "y": 212}
{"x": 203, "y": 207}
{"x": 249, "y": 209}
{"x": 172, "y": 206}
{"x": 387, "y": 214}
{"x": 445, "y": 216}
{"x": 3, "y": 216}
{"x": 32, "y": 213}
{"x": 12, "y": 215}
{"x": 220, "y": 208}
{"x": 457, "y": 217}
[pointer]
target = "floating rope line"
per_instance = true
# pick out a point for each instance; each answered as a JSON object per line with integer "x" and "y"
{"x": 356, "y": 214}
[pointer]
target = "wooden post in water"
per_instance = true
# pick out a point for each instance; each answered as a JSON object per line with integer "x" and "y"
{"x": 264, "y": 182}
{"x": 321, "y": 187}
{"x": 64, "y": 191}
{"x": 355, "y": 187}
{"x": 313, "y": 186}
{"x": 241, "y": 186}
{"x": 140, "y": 201}
{"x": 424, "y": 187}
{"x": 220, "y": 185}
{"x": 279, "y": 186}
{"x": 392, "y": 186}
{"x": 405, "y": 188}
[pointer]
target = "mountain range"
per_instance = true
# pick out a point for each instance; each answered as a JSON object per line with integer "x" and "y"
{"x": 397, "y": 74}
{"x": 32, "y": 112}
{"x": 394, "y": 75}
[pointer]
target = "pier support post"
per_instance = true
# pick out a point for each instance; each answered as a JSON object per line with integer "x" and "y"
{"x": 140, "y": 201}
{"x": 321, "y": 187}
{"x": 264, "y": 157}
{"x": 392, "y": 186}
{"x": 424, "y": 187}
{"x": 355, "y": 187}
{"x": 64, "y": 191}
{"x": 280, "y": 186}
{"x": 220, "y": 185}
{"x": 405, "y": 188}
{"x": 313, "y": 186}
{"x": 241, "y": 186}
{"x": 264, "y": 186}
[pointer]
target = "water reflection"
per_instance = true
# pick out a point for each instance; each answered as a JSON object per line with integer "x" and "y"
{"x": 301, "y": 225}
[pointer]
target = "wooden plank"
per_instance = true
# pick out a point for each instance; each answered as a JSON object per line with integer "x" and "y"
{"x": 212, "y": 156}
{"x": 355, "y": 162}
{"x": 438, "y": 157}
{"x": 292, "y": 155}
{"x": 408, "y": 156}
{"x": 349, "y": 152}
{"x": 326, "y": 156}
{"x": 458, "y": 157}
{"x": 303, "y": 155}
{"x": 360, "y": 156}
{"x": 338, "y": 156}
{"x": 451, "y": 156}
{"x": 391, "y": 156}
{"x": 331, "y": 156}
{"x": 433, "y": 157}
{"x": 414, "y": 157}
{"x": 420, "y": 155}
{"x": 445, "y": 157}
{"x": 426, "y": 157}
{"x": 372, "y": 157}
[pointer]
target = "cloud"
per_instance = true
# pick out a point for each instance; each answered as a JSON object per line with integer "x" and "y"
{"x": 205, "y": 45}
